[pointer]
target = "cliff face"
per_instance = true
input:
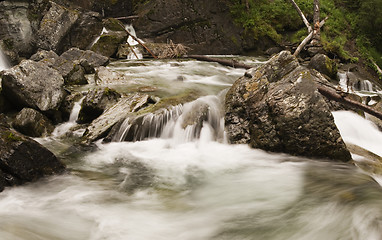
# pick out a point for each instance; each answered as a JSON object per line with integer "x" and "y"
{"x": 204, "y": 26}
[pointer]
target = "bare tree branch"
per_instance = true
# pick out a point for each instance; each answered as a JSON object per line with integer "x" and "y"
{"x": 307, "y": 39}
{"x": 301, "y": 15}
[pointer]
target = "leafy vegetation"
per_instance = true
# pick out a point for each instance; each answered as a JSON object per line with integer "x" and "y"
{"x": 354, "y": 27}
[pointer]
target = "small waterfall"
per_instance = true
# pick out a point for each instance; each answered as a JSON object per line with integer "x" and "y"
{"x": 200, "y": 119}
{"x": 147, "y": 126}
{"x": 64, "y": 128}
{"x": 349, "y": 82}
{"x": 133, "y": 43}
{"x": 4, "y": 63}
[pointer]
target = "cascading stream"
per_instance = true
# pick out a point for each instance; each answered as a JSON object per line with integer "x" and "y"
{"x": 179, "y": 180}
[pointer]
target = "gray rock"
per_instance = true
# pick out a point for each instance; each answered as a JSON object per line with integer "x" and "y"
{"x": 32, "y": 123}
{"x": 23, "y": 159}
{"x": 324, "y": 65}
{"x": 279, "y": 109}
{"x": 88, "y": 59}
{"x": 54, "y": 26}
{"x": 87, "y": 28}
{"x": 96, "y": 102}
{"x": 35, "y": 85}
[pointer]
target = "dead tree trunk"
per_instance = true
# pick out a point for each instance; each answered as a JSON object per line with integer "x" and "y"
{"x": 316, "y": 38}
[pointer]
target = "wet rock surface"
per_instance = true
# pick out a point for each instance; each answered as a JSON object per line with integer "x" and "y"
{"x": 23, "y": 159}
{"x": 277, "y": 108}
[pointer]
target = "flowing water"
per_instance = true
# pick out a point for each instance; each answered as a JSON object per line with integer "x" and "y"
{"x": 4, "y": 63}
{"x": 189, "y": 184}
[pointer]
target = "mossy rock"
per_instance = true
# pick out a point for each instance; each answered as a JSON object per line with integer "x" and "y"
{"x": 113, "y": 24}
{"x": 107, "y": 45}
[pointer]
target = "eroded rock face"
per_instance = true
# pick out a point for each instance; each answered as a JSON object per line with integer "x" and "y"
{"x": 35, "y": 85}
{"x": 23, "y": 159}
{"x": 278, "y": 108}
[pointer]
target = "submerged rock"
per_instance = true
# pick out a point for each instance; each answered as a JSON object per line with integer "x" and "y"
{"x": 35, "y": 85}
{"x": 23, "y": 159}
{"x": 32, "y": 123}
{"x": 279, "y": 109}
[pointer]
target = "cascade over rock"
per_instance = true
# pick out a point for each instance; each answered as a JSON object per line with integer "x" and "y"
{"x": 277, "y": 107}
{"x": 35, "y": 85}
{"x": 116, "y": 113}
{"x": 23, "y": 159}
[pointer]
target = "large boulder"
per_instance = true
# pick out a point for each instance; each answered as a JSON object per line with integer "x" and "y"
{"x": 85, "y": 30}
{"x": 32, "y": 123}
{"x": 23, "y": 159}
{"x": 54, "y": 26}
{"x": 35, "y": 85}
{"x": 277, "y": 108}
{"x": 88, "y": 59}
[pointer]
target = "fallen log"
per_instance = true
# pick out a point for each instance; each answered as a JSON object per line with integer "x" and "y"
{"x": 225, "y": 62}
{"x": 339, "y": 97}
{"x": 379, "y": 70}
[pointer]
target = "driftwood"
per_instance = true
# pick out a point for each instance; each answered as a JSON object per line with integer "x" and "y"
{"x": 307, "y": 39}
{"x": 302, "y": 16}
{"x": 225, "y": 62}
{"x": 332, "y": 95}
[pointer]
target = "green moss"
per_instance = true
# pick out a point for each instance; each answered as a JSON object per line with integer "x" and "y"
{"x": 11, "y": 137}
